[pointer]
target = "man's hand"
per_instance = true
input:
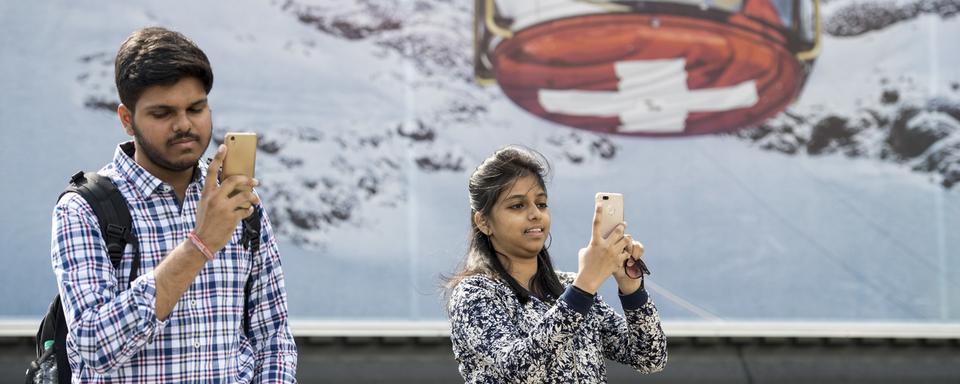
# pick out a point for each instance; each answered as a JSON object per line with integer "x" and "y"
{"x": 218, "y": 213}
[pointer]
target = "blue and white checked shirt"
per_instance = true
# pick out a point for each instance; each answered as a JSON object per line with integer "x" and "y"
{"x": 114, "y": 334}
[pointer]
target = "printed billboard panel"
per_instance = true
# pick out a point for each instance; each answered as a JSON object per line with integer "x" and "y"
{"x": 780, "y": 160}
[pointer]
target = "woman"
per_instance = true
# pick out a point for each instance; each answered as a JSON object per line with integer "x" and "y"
{"x": 514, "y": 319}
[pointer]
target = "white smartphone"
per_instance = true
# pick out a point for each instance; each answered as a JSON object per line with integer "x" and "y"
{"x": 612, "y": 213}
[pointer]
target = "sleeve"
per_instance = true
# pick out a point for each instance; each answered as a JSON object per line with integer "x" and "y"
{"x": 635, "y": 338}
{"x": 106, "y": 326}
{"x": 275, "y": 350}
{"x": 488, "y": 343}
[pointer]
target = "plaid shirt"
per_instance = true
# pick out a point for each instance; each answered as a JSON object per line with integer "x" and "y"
{"x": 114, "y": 334}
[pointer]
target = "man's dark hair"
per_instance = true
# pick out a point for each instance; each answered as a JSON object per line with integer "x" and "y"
{"x": 158, "y": 56}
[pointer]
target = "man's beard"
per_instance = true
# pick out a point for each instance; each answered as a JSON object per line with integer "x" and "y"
{"x": 155, "y": 156}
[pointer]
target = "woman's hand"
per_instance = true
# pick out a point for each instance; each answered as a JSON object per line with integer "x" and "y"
{"x": 626, "y": 284}
{"x": 603, "y": 256}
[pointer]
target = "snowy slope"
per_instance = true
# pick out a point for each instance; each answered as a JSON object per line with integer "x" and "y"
{"x": 886, "y": 87}
{"x": 371, "y": 123}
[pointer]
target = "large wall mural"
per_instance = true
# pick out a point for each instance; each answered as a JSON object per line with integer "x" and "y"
{"x": 763, "y": 146}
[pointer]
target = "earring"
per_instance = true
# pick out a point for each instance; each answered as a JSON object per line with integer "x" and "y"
{"x": 484, "y": 230}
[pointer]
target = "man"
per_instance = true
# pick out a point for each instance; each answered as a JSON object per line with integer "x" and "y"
{"x": 203, "y": 308}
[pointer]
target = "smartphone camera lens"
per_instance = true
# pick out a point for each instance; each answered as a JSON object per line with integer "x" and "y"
{"x": 233, "y": 138}
{"x": 606, "y": 198}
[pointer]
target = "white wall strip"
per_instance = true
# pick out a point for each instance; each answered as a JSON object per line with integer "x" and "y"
{"x": 366, "y": 328}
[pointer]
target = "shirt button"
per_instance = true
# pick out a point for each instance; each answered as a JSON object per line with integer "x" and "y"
{"x": 193, "y": 303}
{"x": 165, "y": 188}
{"x": 196, "y": 344}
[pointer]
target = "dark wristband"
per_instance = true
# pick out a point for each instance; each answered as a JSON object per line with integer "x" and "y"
{"x": 576, "y": 288}
{"x": 578, "y": 300}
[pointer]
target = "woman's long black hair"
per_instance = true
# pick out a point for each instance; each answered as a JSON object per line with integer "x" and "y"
{"x": 495, "y": 175}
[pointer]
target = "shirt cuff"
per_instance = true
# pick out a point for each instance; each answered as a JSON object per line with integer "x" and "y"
{"x": 634, "y": 300}
{"x": 577, "y": 300}
{"x": 145, "y": 299}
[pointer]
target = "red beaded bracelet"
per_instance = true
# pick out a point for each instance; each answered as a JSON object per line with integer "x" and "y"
{"x": 201, "y": 246}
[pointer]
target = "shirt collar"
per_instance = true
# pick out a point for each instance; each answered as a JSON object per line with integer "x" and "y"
{"x": 145, "y": 182}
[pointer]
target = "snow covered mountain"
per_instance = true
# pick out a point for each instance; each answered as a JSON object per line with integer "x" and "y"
{"x": 907, "y": 112}
{"x": 897, "y": 119}
{"x": 845, "y": 18}
{"x": 427, "y": 56}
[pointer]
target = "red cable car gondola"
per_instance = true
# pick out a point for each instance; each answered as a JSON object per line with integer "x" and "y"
{"x": 648, "y": 68}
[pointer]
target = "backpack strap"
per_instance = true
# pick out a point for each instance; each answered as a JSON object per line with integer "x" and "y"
{"x": 250, "y": 241}
{"x": 112, "y": 213}
{"x": 251, "y": 232}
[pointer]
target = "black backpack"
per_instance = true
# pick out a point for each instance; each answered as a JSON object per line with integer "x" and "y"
{"x": 116, "y": 225}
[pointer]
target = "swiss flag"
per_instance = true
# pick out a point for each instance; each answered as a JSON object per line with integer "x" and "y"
{"x": 652, "y": 96}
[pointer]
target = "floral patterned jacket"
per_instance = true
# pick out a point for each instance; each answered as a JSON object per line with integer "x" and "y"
{"x": 498, "y": 340}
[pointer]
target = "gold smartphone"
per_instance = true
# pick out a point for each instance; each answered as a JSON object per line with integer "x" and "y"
{"x": 241, "y": 158}
{"x": 612, "y": 213}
